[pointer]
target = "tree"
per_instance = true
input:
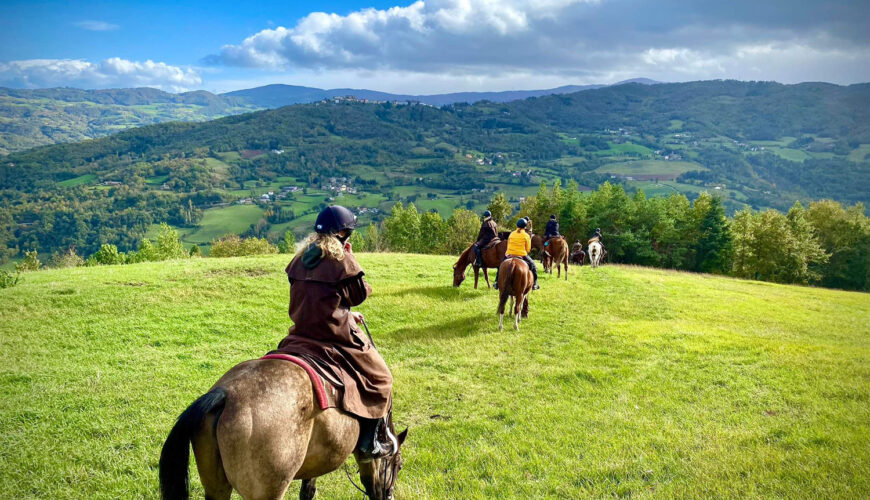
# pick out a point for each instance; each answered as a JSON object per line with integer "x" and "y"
{"x": 462, "y": 228}
{"x": 501, "y": 209}
{"x": 402, "y": 228}
{"x": 713, "y": 250}
{"x": 374, "y": 238}
{"x": 805, "y": 254}
{"x": 433, "y": 233}
{"x": 168, "y": 244}
{"x": 742, "y": 234}
{"x": 195, "y": 251}
{"x": 288, "y": 242}
{"x": 107, "y": 255}
{"x": 29, "y": 263}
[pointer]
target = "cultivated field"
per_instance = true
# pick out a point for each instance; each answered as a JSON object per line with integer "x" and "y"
{"x": 624, "y": 382}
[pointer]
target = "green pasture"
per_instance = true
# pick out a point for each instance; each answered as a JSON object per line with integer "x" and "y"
{"x": 789, "y": 153}
{"x": 217, "y": 222}
{"x": 78, "y": 181}
{"x": 157, "y": 179}
{"x": 650, "y": 167}
{"x": 624, "y": 382}
{"x": 860, "y": 154}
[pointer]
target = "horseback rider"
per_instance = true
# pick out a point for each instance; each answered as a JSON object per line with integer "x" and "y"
{"x": 519, "y": 245}
{"x": 578, "y": 247}
{"x": 325, "y": 282}
{"x": 596, "y": 234}
{"x": 487, "y": 234}
{"x": 552, "y": 230}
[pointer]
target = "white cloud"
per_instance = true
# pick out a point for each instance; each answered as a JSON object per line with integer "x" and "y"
{"x": 92, "y": 25}
{"x": 572, "y": 41}
{"x": 110, "y": 73}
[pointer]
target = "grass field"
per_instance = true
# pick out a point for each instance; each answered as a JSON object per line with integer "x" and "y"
{"x": 650, "y": 167}
{"x": 625, "y": 381}
{"x": 860, "y": 154}
{"x": 217, "y": 222}
{"x": 77, "y": 181}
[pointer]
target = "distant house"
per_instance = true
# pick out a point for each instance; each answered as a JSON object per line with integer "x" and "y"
{"x": 111, "y": 183}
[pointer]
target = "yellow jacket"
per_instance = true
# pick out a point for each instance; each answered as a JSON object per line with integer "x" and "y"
{"x": 519, "y": 243}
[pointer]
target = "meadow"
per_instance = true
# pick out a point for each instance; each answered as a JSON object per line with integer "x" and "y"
{"x": 624, "y": 382}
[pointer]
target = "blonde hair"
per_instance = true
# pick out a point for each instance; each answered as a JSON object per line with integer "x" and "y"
{"x": 328, "y": 244}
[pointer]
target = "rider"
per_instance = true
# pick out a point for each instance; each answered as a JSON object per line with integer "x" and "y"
{"x": 596, "y": 234}
{"x": 325, "y": 282}
{"x": 578, "y": 247}
{"x": 519, "y": 244}
{"x": 488, "y": 232}
{"x": 552, "y": 230}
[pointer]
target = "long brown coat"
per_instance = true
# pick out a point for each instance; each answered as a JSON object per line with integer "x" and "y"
{"x": 325, "y": 333}
{"x": 487, "y": 237}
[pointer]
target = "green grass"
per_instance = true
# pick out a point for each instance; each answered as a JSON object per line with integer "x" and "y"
{"x": 624, "y": 382}
{"x": 650, "y": 167}
{"x": 217, "y": 222}
{"x": 860, "y": 154}
{"x": 78, "y": 181}
{"x": 158, "y": 179}
{"x": 790, "y": 154}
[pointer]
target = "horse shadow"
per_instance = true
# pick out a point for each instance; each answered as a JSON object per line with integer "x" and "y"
{"x": 456, "y": 328}
{"x": 439, "y": 292}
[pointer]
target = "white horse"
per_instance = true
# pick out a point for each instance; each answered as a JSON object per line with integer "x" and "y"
{"x": 596, "y": 251}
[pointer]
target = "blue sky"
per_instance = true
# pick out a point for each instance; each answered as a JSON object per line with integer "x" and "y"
{"x": 429, "y": 46}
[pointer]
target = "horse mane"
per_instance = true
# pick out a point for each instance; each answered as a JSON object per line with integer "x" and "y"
{"x": 465, "y": 257}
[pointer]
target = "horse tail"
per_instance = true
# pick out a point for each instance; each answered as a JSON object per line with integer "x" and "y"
{"x": 504, "y": 290}
{"x": 175, "y": 455}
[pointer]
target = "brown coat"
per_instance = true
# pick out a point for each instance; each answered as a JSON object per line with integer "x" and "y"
{"x": 487, "y": 237}
{"x": 325, "y": 333}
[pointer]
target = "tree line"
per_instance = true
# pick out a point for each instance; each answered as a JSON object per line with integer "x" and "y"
{"x": 824, "y": 243}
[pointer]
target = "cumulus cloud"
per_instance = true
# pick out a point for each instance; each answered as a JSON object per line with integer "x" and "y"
{"x": 581, "y": 41}
{"x": 92, "y": 25}
{"x": 110, "y": 73}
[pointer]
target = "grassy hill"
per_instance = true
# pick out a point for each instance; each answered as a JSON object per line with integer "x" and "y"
{"x": 625, "y": 381}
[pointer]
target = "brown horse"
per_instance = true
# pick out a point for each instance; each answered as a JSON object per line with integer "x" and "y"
{"x": 258, "y": 429}
{"x": 556, "y": 252}
{"x": 515, "y": 280}
{"x": 492, "y": 257}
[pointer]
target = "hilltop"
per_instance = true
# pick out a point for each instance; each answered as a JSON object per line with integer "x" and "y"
{"x": 625, "y": 381}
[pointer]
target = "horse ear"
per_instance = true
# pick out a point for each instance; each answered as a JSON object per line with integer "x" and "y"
{"x": 402, "y": 435}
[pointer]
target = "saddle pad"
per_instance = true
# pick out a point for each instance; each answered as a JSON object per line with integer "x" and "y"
{"x": 325, "y": 398}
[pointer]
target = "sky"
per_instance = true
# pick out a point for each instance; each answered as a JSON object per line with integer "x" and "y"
{"x": 428, "y": 46}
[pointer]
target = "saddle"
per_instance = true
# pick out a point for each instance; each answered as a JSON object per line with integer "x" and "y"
{"x": 491, "y": 244}
{"x": 325, "y": 393}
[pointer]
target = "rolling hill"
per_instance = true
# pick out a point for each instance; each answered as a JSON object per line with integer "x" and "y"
{"x": 624, "y": 381}
{"x": 759, "y": 144}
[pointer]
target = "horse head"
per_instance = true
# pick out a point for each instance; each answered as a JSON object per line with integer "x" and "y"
{"x": 461, "y": 267}
{"x": 379, "y": 476}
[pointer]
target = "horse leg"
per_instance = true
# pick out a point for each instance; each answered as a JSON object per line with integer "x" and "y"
{"x": 476, "y": 275}
{"x": 519, "y": 303}
{"x": 308, "y": 489}
{"x": 208, "y": 461}
{"x": 486, "y": 277}
{"x": 526, "y": 306}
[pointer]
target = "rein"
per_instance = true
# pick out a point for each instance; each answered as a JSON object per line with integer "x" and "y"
{"x": 349, "y": 478}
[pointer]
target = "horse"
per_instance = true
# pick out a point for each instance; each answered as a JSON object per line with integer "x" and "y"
{"x": 515, "y": 280}
{"x": 258, "y": 429}
{"x": 492, "y": 257}
{"x": 556, "y": 252}
{"x": 596, "y": 251}
{"x": 578, "y": 257}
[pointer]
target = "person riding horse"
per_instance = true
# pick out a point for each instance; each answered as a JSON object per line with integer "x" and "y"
{"x": 552, "y": 230}
{"x": 596, "y": 234}
{"x": 486, "y": 237}
{"x": 325, "y": 282}
{"x": 519, "y": 245}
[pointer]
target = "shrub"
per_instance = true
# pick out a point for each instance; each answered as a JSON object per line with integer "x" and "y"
{"x": 8, "y": 280}
{"x": 168, "y": 244}
{"x": 287, "y": 243}
{"x": 67, "y": 259}
{"x": 30, "y": 263}
{"x": 234, "y": 246}
{"x": 107, "y": 255}
{"x": 195, "y": 251}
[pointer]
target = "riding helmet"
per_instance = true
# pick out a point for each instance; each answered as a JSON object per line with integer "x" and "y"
{"x": 487, "y": 213}
{"x": 333, "y": 219}
{"x": 597, "y": 229}
{"x": 521, "y": 223}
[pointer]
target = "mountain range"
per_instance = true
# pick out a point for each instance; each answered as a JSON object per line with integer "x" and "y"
{"x": 35, "y": 117}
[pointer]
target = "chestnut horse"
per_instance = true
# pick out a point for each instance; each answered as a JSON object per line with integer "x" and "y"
{"x": 556, "y": 252}
{"x": 492, "y": 257}
{"x": 258, "y": 429}
{"x": 515, "y": 280}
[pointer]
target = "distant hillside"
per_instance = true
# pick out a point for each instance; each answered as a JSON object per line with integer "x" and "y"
{"x": 763, "y": 145}
{"x": 30, "y": 118}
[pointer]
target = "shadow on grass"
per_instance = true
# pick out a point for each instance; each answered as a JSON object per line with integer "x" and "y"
{"x": 440, "y": 292}
{"x": 453, "y": 329}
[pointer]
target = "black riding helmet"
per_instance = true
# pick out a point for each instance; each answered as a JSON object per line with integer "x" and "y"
{"x": 553, "y": 217}
{"x": 334, "y": 219}
{"x": 487, "y": 213}
{"x": 521, "y": 223}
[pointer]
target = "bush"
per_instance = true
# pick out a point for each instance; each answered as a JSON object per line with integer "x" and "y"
{"x": 234, "y": 246}
{"x": 168, "y": 244}
{"x": 67, "y": 259}
{"x": 107, "y": 255}
{"x": 8, "y": 280}
{"x": 195, "y": 251}
{"x": 287, "y": 243}
{"x": 30, "y": 263}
